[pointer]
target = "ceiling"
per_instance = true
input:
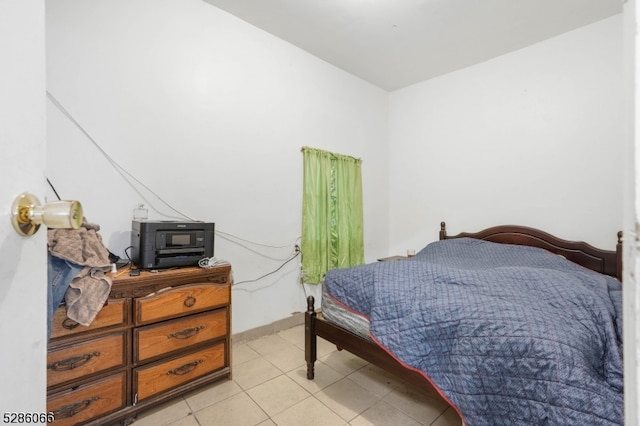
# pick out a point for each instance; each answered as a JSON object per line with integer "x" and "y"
{"x": 396, "y": 43}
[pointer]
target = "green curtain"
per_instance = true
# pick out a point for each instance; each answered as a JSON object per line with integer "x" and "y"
{"x": 332, "y": 224}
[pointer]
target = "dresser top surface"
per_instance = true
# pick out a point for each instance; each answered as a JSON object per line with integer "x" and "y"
{"x": 122, "y": 276}
{"x": 124, "y": 284}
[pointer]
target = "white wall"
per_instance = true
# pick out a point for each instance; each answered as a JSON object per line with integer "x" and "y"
{"x": 631, "y": 260}
{"x": 23, "y": 261}
{"x": 534, "y": 137}
{"x": 210, "y": 113}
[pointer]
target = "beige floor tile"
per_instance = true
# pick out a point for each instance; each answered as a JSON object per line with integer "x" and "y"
{"x": 270, "y": 387}
{"x": 324, "y": 376}
{"x": 375, "y": 380}
{"x": 287, "y": 359}
{"x": 276, "y": 395}
{"x": 448, "y": 418}
{"x": 269, "y": 344}
{"x": 242, "y": 353}
{"x": 383, "y": 414}
{"x": 324, "y": 347}
{"x": 164, "y": 414}
{"x": 344, "y": 362}
{"x": 254, "y": 372}
{"x": 416, "y": 403}
{"x": 238, "y": 410}
{"x": 347, "y": 398}
{"x": 186, "y": 421}
{"x": 211, "y": 394}
{"x": 294, "y": 335}
{"x": 309, "y": 412}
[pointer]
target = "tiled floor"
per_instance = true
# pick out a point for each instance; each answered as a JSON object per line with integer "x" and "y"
{"x": 270, "y": 387}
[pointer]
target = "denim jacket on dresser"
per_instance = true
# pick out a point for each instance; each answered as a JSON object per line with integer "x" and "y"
{"x": 59, "y": 273}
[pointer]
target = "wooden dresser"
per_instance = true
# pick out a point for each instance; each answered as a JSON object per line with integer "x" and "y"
{"x": 159, "y": 335}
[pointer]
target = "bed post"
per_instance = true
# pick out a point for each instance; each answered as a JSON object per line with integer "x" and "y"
{"x": 443, "y": 231}
{"x": 310, "y": 337}
{"x": 619, "y": 256}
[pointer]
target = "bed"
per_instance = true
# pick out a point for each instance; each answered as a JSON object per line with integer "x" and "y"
{"x": 376, "y": 333}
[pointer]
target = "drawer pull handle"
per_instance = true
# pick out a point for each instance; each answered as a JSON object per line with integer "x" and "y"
{"x": 73, "y": 362}
{"x": 186, "y": 333}
{"x": 72, "y": 409}
{"x": 189, "y": 301}
{"x": 69, "y": 324}
{"x": 187, "y": 368}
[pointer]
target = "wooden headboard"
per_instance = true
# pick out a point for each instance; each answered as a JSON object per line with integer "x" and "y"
{"x": 607, "y": 262}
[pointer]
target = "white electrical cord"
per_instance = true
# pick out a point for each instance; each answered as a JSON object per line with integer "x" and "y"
{"x": 210, "y": 262}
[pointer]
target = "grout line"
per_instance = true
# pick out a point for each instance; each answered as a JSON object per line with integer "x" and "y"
{"x": 342, "y": 376}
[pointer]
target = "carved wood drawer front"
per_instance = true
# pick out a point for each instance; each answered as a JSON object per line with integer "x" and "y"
{"x": 85, "y": 358}
{"x": 112, "y": 314}
{"x": 180, "y": 301}
{"x": 159, "y": 377}
{"x": 88, "y": 401}
{"x": 179, "y": 334}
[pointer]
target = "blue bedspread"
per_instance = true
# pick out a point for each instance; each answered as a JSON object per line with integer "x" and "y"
{"x": 511, "y": 335}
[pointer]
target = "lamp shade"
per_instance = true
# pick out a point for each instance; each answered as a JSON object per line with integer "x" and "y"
{"x": 58, "y": 214}
{"x": 27, "y": 214}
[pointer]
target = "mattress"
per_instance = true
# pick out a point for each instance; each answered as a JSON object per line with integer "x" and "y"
{"x": 339, "y": 315}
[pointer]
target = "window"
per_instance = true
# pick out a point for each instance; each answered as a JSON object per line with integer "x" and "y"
{"x": 332, "y": 224}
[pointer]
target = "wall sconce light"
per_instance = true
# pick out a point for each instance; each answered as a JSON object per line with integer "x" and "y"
{"x": 27, "y": 214}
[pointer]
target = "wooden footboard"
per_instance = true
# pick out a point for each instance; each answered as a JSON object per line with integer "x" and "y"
{"x": 316, "y": 326}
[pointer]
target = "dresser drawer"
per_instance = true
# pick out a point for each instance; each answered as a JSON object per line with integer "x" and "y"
{"x": 179, "y": 334}
{"x": 156, "y": 378}
{"x": 88, "y": 401}
{"x": 112, "y": 314}
{"x": 180, "y": 301}
{"x": 88, "y": 357}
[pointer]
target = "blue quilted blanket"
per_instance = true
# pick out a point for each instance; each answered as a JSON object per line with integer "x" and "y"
{"x": 511, "y": 335}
